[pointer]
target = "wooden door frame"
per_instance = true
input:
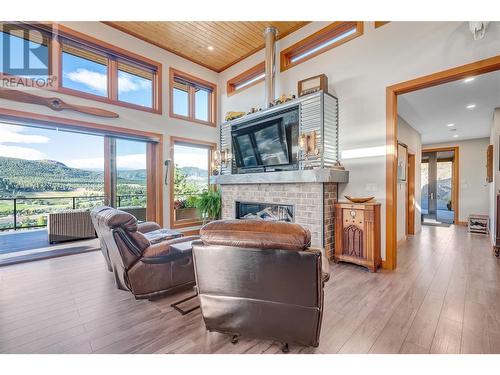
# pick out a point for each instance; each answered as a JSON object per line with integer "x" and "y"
{"x": 392, "y": 92}
{"x": 455, "y": 178}
{"x": 410, "y": 195}
{"x": 154, "y": 151}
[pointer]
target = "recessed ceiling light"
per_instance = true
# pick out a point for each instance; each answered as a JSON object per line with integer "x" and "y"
{"x": 455, "y": 135}
{"x": 450, "y": 125}
{"x": 470, "y": 79}
{"x": 471, "y": 106}
{"x": 210, "y": 48}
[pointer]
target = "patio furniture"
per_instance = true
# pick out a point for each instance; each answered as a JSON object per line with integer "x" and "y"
{"x": 260, "y": 279}
{"x": 138, "y": 212}
{"x": 69, "y": 225}
{"x": 147, "y": 270}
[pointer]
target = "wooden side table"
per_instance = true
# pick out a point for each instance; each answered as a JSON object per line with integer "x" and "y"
{"x": 357, "y": 234}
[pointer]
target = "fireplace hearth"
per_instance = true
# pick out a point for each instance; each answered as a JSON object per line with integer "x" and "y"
{"x": 264, "y": 211}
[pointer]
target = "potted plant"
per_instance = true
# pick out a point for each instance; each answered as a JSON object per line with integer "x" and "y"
{"x": 209, "y": 203}
{"x": 186, "y": 208}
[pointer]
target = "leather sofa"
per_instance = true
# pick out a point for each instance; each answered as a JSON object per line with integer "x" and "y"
{"x": 260, "y": 279}
{"x": 147, "y": 270}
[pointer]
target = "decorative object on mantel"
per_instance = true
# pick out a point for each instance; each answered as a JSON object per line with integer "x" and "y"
{"x": 232, "y": 115}
{"x": 220, "y": 159}
{"x": 357, "y": 234}
{"x": 358, "y": 200}
{"x": 282, "y": 99}
{"x": 307, "y": 144}
{"x": 312, "y": 84}
{"x": 339, "y": 166}
{"x": 254, "y": 110}
{"x": 53, "y": 103}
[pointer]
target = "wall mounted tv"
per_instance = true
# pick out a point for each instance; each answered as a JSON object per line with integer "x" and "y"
{"x": 264, "y": 145}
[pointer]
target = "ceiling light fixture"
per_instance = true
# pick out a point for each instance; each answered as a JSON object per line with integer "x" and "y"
{"x": 471, "y": 106}
{"x": 470, "y": 79}
{"x": 450, "y": 125}
{"x": 455, "y": 135}
{"x": 210, "y": 48}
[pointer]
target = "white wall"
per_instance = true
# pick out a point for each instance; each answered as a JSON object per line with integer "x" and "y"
{"x": 359, "y": 72}
{"x": 413, "y": 139}
{"x": 130, "y": 118}
{"x": 495, "y": 185}
{"x": 473, "y": 190}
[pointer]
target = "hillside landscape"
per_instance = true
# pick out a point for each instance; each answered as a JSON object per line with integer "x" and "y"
{"x": 42, "y": 186}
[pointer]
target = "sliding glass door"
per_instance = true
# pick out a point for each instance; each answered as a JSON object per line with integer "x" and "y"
{"x": 45, "y": 169}
{"x": 131, "y": 177}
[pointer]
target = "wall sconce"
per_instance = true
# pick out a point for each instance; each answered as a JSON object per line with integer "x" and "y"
{"x": 307, "y": 144}
{"x": 220, "y": 159}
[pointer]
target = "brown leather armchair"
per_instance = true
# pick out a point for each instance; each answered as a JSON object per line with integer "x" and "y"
{"x": 147, "y": 270}
{"x": 260, "y": 279}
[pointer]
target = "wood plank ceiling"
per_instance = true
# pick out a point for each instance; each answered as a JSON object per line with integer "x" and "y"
{"x": 231, "y": 41}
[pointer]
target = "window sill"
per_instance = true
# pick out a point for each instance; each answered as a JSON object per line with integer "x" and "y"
{"x": 189, "y": 119}
{"x": 186, "y": 223}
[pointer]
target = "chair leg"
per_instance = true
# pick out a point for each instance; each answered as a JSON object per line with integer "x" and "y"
{"x": 184, "y": 312}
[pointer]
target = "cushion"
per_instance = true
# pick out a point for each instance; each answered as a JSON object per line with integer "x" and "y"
{"x": 161, "y": 235}
{"x": 258, "y": 234}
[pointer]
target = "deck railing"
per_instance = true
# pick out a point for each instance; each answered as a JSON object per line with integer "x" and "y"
{"x": 31, "y": 212}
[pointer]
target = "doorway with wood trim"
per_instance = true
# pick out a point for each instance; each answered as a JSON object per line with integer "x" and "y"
{"x": 392, "y": 92}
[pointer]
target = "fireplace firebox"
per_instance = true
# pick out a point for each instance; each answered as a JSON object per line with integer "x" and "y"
{"x": 264, "y": 211}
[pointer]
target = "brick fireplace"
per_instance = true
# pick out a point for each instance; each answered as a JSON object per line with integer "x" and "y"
{"x": 312, "y": 202}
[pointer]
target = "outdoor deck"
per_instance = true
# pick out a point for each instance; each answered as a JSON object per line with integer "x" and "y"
{"x": 27, "y": 245}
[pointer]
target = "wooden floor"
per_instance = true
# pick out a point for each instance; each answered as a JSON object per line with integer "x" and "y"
{"x": 443, "y": 298}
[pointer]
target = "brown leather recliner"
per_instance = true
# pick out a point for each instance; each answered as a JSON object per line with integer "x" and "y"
{"x": 260, "y": 279}
{"x": 147, "y": 270}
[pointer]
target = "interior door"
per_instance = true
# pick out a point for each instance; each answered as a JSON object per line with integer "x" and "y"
{"x": 437, "y": 187}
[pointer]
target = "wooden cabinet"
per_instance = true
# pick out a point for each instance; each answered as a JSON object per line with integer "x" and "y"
{"x": 357, "y": 234}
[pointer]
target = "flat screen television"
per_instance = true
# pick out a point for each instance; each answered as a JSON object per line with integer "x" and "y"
{"x": 262, "y": 145}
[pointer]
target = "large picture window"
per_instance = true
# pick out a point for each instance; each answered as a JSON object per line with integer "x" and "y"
{"x": 192, "y": 98}
{"x": 190, "y": 178}
{"x": 80, "y": 65}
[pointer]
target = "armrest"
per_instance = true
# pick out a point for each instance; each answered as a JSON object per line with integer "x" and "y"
{"x": 147, "y": 226}
{"x": 162, "y": 252}
{"x": 325, "y": 264}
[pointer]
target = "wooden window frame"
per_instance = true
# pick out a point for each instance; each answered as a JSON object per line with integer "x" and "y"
{"x": 246, "y": 76}
{"x": 378, "y": 24}
{"x": 191, "y": 117}
{"x": 312, "y": 41}
{"x": 212, "y": 147}
{"x": 57, "y": 32}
